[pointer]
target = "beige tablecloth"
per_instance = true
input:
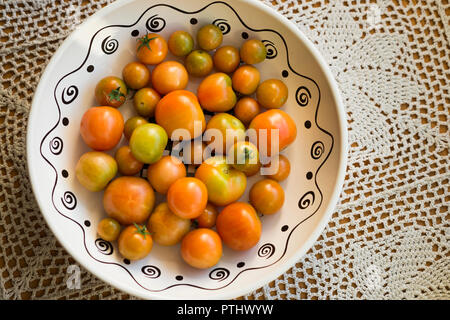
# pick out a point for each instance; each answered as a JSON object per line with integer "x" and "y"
{"x": 388, "y": 237}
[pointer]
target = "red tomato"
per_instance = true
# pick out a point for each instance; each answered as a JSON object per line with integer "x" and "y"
{"x": 216, "y": 94}
{"x": 187, "y": 197}
{"x": 201, "y": 248}
{"x": 101, "y": 127}
{"x": 239, "y": 226}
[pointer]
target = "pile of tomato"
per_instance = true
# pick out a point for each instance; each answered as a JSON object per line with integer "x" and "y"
{"x": 201, "y": 212}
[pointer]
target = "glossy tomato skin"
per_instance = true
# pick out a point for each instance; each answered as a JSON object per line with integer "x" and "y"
{"x": 246, "y": 79}
{"x": 169, "y": 76}
{"x": 224, "y": 183}
{"x": 226, "y": 59}
{"x": 272, "y": 94}
{"x": 216, "y": 94}
{"x": 135, "y": 242}
{"x": 151, "y": 49}
{"x": 136, "y": 75}
{"x": 208, "y": 218}
{"x": 111, "y": 91}
{"x": 180, "y": 109}
{"x": 253, "y": 51}
{"x": 129, "y": 200}
{"x": 239, "y": 226}
{"x": 164, "y": 172}
{"x": 180, "y": 43}
{"x": 108, "y": 229}
{"x": 148, "y": 142}
{"x": 199, "y": 63}
{"x": 267, "y": 196}
{"x": 284, "y": 168}
{"x": 274, "y": 119}
{"x": 224, "y": 124}
{"x": 101, "y": 128}
{"x": 244, "y": 156}
{"x": 145, "y": 101}
{"x": 127, "y": 164}
{"x": 209, "y": 37}
{"x": 201, "y": 248}
{"x": 167, "y": 228}
{"x": 246, "y": 109}
{"x": 94, "y": 170}
{"x": 187, "y": 197}
{"x": 131, "y": 124}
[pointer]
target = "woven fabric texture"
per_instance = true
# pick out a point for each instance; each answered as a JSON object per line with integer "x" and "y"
{"x": 389, "y": 235}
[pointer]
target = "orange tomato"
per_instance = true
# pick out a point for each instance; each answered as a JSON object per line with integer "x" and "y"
{"x": 151, "y": 49}
{"x": 135, "y": 242}
{"x": 267, "y": 196}
{"x": 216, "y": 94}
{"x": 246, "y": 79}
{"x": 201, "y": 248}
{"x": 208, "y": 218}
{"x": 209, "y": 37}
{"x": 239, "y": 226}
{"x": 187, "y": 197}
{"x": 246, "y": 109}
{"x": 272, "y": 94}
{"x": 253, "y": 51}
{"x": 127, "y": 164}
{"x": 164, "y": 172}
{"x": 129, "y": 200}
{"x": 180, "y": 110}
{"x": 169, "y": 76}
{"x": 101, "y": 127}
{"x": 111, "y": 91}
{"x": 136, "y": 75}
{"x": 284, "y": 168}
{"x": 145, "y": 101}
{"x": 108, "y": 229}
{"x": 226, "y": 59}
{"x": 131, "y": 124}
{"x": 277, "y": 120}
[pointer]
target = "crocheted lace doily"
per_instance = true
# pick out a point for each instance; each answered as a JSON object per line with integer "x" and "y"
{"x": 389, "y": 235}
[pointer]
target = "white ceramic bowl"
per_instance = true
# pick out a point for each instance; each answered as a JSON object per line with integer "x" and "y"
{"x": 102, "y": 46}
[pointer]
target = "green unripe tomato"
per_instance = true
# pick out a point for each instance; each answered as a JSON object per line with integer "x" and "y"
{"x": 147, "y": 142}
{"x": 94, "y": 170}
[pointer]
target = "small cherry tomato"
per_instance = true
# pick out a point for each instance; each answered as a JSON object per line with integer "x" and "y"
{"x": 201, "y": 248}
{"x": 267, "y": 196}
{"x": 126, "y": 162}
{"x": 169, "y": 76}
{"x": 226, "y": 59}
{"x": 136, "y": 75}
{"x": 132, "y": 124}
{"x": 129, "y": 200}
{"x": 145, "y": 101}
{"x": 246, "y": 109}
{"x": 224, "y": 130}
{"x": 94, "y": 170}
{"x": 135, "y": 242}
{"x": 284, "y": 168}
{"x": 108, "y": 229}
{"x": 111, "y": 91}
{"x": 180, "y": 43}
{"x": 253, "y": 51}
{"x": 275, "y": 119}
{"x": 164, "y": 172}
{"x": 167, "y": 228}
{"x": 216, "y": 94}
{"x": 246, "y": 79}
{"x": 272, "y": 94}
{"x": 180, "y": 109}
{"x": 101, "y": 127}
{"x": 208, "y": 218}
{"x": 199, "y": 63}
{"x": 239, "y": 226}
{"x": 148, "y": 142}
{"x": 244, "y": 156}
{"x": 209, "y": 37}
{"x": 224, "y": 183}
{"x": 151, "y": 49}
{"x": 187, "y": 197}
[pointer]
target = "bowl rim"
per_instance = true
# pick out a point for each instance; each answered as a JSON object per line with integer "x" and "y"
{"x": 281, "y": 268}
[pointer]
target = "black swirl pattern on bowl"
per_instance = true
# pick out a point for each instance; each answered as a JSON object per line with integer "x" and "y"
{"x": 302, "y": 96}
{"x": 151, "y": 271}
{"x": 317, "y": 149}
{"x": 105, "y": 247}
{"x": 69, "y": 94}
{"x": 306, "y": 200}
{"x": 109, "y": 46}
{"x": 69, "y": 200}
{"x": 223, "y": 25}
{"x": 56, "y": 145}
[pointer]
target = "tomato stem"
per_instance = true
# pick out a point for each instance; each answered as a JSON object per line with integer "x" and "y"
{"x": 115, "y": 94}
{"x": 145, "y": 42}
{"x": 141, "y": 229}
